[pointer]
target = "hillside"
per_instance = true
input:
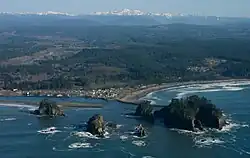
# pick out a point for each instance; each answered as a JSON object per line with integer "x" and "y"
{"x": 86, "y": 55}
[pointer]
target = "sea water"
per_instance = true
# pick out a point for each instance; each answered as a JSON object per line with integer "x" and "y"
{"x": 26, "y": 136}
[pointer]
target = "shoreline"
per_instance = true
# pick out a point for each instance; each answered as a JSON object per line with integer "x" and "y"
{"x": 60, "y": 104}
{"x": 135, "y": 96}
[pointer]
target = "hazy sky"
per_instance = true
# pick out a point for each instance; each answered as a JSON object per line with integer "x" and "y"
{"x": 203, "y": 7}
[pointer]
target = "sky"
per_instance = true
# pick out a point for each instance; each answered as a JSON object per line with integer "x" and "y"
{"x": 232, "y": 8}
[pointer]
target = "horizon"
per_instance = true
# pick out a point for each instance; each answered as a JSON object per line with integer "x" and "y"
{"x": 222, "y": 8}
{"x": 94, "y": 13}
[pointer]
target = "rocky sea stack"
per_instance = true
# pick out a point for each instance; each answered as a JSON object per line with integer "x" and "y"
{"x": 191, "y": 113}
{"x": 96, "y": 125}
{"x": 48, "y": 108}
{"x": 140, "y": 131}
{"x": 146, "y": 111}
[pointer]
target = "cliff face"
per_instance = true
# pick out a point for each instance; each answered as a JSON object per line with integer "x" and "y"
{"x": 96, "y": 125}
{"x": 49, "y": 108}
{"x": 146, "y": 111}
{"x": 192, "y": 113}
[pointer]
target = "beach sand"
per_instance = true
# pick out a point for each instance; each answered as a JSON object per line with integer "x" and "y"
{"x": 135, "y": 96}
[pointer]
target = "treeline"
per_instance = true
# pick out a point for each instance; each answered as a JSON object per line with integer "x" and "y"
{"x": 140, "y": 55}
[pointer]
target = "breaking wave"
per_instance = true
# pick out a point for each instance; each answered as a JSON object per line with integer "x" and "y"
{"x": 85, "y": 135}
{"x": 8, "y": 119}
{"x": 123, "y": 137}
{"x": 232, "y": 126}
{"x": 134, "y": 136}
{"x": 50, "y": 130}
{"x": 188, "y": 91}
{"x": 207, "y": 141}
{"x": 187, "y": 132}
{"x": 131, "y": 116}
{"x": 118, "y": 126}
{"x": 210, "y": 137}
{"x": 183, "y": 91}
{"x": 89, "y": 135}
{"x": 152, "y": 97}
{"x": 139, "y": 143}
{"x": 80, "y": 145}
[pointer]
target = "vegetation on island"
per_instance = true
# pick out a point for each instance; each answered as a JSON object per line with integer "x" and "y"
{"x": 146, "y": 110}
{"x": 48, "y": 108}
{"x": 191, "y": 113}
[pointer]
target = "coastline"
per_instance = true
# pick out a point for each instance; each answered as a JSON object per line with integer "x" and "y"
{"x": 61, "y": 104}
{"x": 135, "y": 96}
{"x": 128, "y": 96}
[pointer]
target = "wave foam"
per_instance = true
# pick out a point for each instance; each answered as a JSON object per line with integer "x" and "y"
{"x": 201, "y": 87}
{"x": 118, "y": 126}
{"x": 90, "y": 136}
{"x": 139, "y": 143}
{"x": 50, "y": 130}
{"x": 182, "y": 131}
{"x": 139, "y": 137}
{"x": 62, "y": 150}
{"x": 86, "y": 135}
{"x": 184, "y": 90}
{"x": 131, "y": 116}
{"x": 123, "y": 137}
{"x": 29, "y": 107}
{"x": 80, "y": 145}
{"x": 151, "y": 97}
{"x": 8, "y": 119}
{"x": 207, "y": 141}
{"x": 148, "y": 157}
{"x": 231, "y": 126}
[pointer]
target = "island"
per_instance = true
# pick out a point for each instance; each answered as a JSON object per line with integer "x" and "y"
{"x": 48, "y": 108}
{"x": 191, "y": 113}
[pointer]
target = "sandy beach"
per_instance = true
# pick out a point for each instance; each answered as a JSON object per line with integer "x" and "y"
{"x": 134, "y": 96}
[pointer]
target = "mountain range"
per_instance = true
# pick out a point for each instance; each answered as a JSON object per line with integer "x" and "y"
{"x": 128, "y": 12}
{"x": 124, "y": 12}
{"x": 37, "y": 13}
{"x": 117, "y": 17}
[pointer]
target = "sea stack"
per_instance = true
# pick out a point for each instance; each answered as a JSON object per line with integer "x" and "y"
{"x": 48, "y": 108}
{"x": 145, "y": 110}
{"x": 191, "y": 113}
{"x": 96, "y": 125}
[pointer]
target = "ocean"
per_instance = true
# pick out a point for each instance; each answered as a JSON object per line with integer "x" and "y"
{"x": 27, "y": 136}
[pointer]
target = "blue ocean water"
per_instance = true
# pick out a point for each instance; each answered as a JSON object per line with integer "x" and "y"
{"x": 24, "y": 136}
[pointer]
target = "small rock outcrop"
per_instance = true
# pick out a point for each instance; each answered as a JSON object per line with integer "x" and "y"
{"x": 192, "y": 113}
{"x": 96, "y": 125}
{"x": 145, "y": 110}
{"x": 140, "y": 131}
{"x": 48, "y": 108}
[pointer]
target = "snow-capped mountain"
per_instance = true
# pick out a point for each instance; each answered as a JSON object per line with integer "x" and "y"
{"x": 124, "y": 12}
{"x": 38, "y": 13}
{"x": 128, "y": 12}
{"x": 121, "y": 12}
